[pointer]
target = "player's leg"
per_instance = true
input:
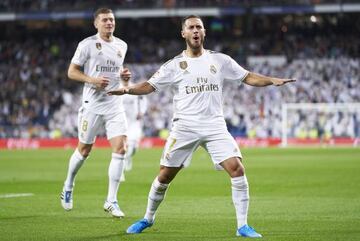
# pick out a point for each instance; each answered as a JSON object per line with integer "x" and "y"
{"x": 156, "y": 196}
{"x": 240, "y": 195}
{"x": 133, "y": 138}
{"x": 158, "y": 190}
{"x": 225, "y": 153}
{"x": 131, "y": 146}
{"x": 114, "y": 172}
{"x": 88, "y": 124}
{"x": 76, "y": 161}
{"x": 115, "y": 130}
{"x": 131, "y": 149}
{"x": 178, "y": 149}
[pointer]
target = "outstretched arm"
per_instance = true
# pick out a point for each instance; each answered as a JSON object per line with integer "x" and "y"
{"x": 143, "y": 88}
{"x": 259, "y": 80}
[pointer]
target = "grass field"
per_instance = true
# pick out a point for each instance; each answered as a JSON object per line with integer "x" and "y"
{"x": 296, "y": 194}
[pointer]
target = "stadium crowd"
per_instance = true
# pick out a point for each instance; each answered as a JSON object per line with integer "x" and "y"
{"x": 256, "y": 112}
{"x": 37, "y": 99}
{"x": 53, "y": 5}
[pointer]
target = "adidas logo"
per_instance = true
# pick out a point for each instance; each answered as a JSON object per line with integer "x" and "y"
{"x": 100, "y": 53}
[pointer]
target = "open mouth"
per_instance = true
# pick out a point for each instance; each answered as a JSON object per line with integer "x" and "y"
{"x": 196, "y": 38}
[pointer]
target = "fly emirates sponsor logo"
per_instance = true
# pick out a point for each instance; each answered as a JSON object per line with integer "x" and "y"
{"x": 201, "y": 86}
{"x": 109, "y": 67}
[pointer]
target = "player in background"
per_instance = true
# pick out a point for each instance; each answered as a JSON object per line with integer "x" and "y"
{"x": 98, "y": 63}
{"x": 135, "y": 108}
{"x": 197, "y": 76}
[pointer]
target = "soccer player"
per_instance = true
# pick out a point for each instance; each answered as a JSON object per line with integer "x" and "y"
{"x": 135, "y": 108}
{"x": 98, "y": 63}
{"x": 197, "y": 76}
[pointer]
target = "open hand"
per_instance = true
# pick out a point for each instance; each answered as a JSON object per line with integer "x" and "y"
{"x": 279, "y": 82}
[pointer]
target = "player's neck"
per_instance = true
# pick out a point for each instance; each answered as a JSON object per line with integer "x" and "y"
{"x": 106, "y": 37}
{"x": 193, "y": 53}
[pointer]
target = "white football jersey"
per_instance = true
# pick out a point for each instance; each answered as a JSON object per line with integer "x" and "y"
{"x": 101, "y": 58}
{"x": 134, "y": 105}
{"x": 197, "y": 84}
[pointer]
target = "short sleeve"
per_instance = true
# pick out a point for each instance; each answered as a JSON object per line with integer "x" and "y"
{"x": 233, "y": 71}
{"x": 81, "y": 55}
{"x": 163, "y": 77}
{"x": 125, "y": 47}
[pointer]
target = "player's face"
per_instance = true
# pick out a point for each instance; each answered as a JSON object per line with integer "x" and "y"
{"x": 194, "y": 33}
{"x": 105, "y": 23}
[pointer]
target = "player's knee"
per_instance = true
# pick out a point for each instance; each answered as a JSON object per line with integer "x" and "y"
{"x": 120, "y": 150}
{"x": 167, "y": 174}
{"x": 84, "y": 151}
{"x": 237, "y": 171}
{"x": 164, "y": 178}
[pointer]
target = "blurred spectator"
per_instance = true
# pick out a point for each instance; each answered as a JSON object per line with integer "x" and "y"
{"x": 54, "y": 5}
{"x": 36, "y": 98}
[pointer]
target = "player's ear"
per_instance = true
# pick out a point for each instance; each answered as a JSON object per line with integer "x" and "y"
{"x": 204, "y": 32}
{"x": 182, "y": 34}
{"x": 95, "y": 23}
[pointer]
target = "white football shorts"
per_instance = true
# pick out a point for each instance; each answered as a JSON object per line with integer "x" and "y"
{"x": 134, "y": 132}
{"x": 89, "y": 125}
{"x": 182, "y": 143}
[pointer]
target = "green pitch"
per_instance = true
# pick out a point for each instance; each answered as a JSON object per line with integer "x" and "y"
{"x": 296, "y": 194}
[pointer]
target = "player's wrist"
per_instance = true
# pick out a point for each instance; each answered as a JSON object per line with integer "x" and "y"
{"x": 89, "y": 80}
{"x": 272, "y": 81}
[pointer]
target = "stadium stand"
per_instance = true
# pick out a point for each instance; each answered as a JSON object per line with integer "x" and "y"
{"x": 53, "y": 5}
{"x": 322, "y": 52}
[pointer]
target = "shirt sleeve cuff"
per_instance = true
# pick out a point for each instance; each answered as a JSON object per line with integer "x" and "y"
{"x": 153, "y": 85}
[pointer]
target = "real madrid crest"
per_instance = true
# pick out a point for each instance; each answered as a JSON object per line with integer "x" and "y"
{"x": 212, "y": 69}
{"x": 183, "y": 64}
{"x": 98, "y": 46}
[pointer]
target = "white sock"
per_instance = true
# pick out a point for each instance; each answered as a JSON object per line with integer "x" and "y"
{"x": 76, "y": 161}
{"x": 131, "y": 150}
{"x": 156, "y": 195}
{"x": 115, "y": 170}
{"x": 240, "y": 197}
{"x": 129, "y": 153}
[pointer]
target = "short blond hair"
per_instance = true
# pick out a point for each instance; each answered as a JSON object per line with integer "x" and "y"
{"x": 101, "y": 11}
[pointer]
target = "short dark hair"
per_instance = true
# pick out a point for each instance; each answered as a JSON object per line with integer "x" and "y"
{"x": 188, "y": 17}
{"x": 100, "y": 11}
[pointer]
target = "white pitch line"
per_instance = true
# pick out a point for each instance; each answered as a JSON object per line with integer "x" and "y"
{"x": 11, "y": 195}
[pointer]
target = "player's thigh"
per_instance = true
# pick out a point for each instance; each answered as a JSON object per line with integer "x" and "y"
{"x": 179, "y": 148}
{"x": 115, "y": 125}
{"x": 221, "y": 147}
{"x": 89, "y": 124}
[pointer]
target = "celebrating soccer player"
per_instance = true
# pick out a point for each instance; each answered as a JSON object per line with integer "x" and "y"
{"x": 98, "y": 62}
{"x": 197, "y": 76}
